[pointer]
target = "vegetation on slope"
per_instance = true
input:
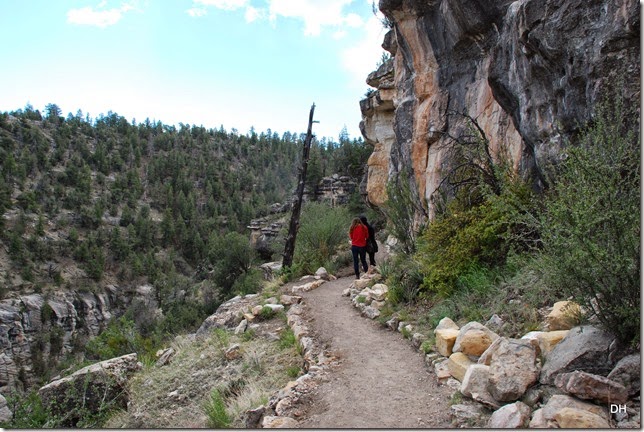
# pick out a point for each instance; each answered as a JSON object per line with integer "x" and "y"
{"x": 496, "y": 246}
{"x": 87, "y": 203}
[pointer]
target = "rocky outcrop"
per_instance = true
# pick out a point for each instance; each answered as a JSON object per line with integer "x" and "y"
{"x": 35, "y": 329}
{"x": 96, "y": 388}
{"x": 530, "y": 72}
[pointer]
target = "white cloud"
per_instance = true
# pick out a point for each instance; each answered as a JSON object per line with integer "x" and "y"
{"x": 196, "y": 12}
{"x": 223, "y": 4}
{"x": 251, "y": 14}
{"x": 98, "y": 17}
{"x": 315, "y": 13}
{"x": 361, "y": 58}
{"x": 339, "y": 34}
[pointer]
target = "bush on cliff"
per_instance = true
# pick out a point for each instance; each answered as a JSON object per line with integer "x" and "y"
{"x": 591, "y": 227}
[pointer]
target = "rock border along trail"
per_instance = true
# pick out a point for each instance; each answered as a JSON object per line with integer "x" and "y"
{"x": 380, "y": 382}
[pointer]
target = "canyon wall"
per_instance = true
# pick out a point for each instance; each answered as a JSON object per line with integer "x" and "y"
{"x": 528, "y": 72}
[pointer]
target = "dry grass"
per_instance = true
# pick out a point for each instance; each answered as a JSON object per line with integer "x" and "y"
{"x": 173, "y": 396}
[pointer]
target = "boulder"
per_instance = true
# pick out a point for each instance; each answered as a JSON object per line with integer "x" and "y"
{"x": 468, "y": 415}
{"x": 458, "y": 364}
{"x": 558, "y": 402}
{"x": 379, "y": 292}
{"x": 486, "y": 357}
{"x": 241, "y": 328}
{"x": 513, "y": 369}
{"x": 393, "y": 323}
{"x": 321, "y": 272}
{"x": 442, "y": 370}
{"x": 594, "y": 387}
{"x": 569, "y": 418}
{"x": 446, "y": 323}
{"x": 164, "y": 356}
{"x": 627, "y": 372}
{"x": 227, "y": 316}
{"x": 564, "y": 316}
{"x": 370, "y": 312}
{"x": 445, "y": 339}
{"x": 538, "y": 421}
{"x": 495, "y": 322}
{"x": 548, "y": 340}
{"x": 361, "y": 283}
{"x": 277, "y": 422}
{"x": 289, "y": 299}
{"x": 474, "y": 338}
{"x": 275, "y": 307}
{"x": 584, "y": 348}
{"x": 512, "y": 416}
{"x": 475, "y": 384}
{"x": 98, "y": 387}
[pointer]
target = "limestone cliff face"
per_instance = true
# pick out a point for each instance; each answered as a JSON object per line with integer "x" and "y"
{"x": 529, "y": 71}
{"x": 35, "y": 329}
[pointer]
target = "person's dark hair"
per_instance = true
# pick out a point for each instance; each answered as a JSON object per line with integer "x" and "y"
{"x": 363, "y": 219}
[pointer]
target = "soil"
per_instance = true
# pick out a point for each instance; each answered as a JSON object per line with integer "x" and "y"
{"x": 381, "y": 381}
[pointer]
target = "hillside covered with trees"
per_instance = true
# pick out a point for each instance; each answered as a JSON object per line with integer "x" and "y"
{"x": 89, "y": 203}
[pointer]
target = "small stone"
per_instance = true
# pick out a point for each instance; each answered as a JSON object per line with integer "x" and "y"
{"x": 233, "y": 352}
{"x": 241, "y": 328}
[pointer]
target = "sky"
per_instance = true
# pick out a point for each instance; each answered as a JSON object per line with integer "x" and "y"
{"x": 231, "y": 63}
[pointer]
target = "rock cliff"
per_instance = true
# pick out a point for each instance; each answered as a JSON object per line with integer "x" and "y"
{"x": 529, "y": 72}
{"x": 35, "y": 329}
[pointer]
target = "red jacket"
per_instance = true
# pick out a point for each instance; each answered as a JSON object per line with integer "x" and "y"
{"x": 359, "y": 236}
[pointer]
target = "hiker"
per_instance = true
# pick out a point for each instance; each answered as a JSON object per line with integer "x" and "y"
{"x": 372, "y": 245}
{"x": 359, "y": 235}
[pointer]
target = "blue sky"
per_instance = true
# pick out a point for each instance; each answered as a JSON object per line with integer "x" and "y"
{"x": 236, "y": 63}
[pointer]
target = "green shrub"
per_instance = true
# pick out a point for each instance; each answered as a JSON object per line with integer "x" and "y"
{"x": 591, "y": 227}
{"x": 404, "y": 280}
{"x": 464, "y": 237}
{"x": 28, "y": 412}
{"x": 266, "y": 313}
{"x": 323, "y": 230}
{"x": 215, "y": 409}
{"x": 287, "y": 339}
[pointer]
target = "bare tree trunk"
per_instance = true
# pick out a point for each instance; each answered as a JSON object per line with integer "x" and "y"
{"x": 294, "y": 225}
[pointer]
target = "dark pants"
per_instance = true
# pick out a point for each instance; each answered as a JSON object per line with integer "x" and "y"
{"x": 362, "y": 252}
{"x": 372, "y": 254}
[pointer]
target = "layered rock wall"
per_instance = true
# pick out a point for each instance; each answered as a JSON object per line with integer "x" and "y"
{"x": 35, "y": 329}
{"x": 529, "y": 72}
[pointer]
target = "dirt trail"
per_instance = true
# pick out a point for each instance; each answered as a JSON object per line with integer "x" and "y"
{"x": 381, "y": 382}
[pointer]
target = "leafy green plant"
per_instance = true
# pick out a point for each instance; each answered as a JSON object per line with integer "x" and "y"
{"x": 287, "y": 338}
{"x": 293, "y": 371}
{"x": 215, "y": 409}
{"x": 323, "y": 229}
{"x": 591, "y": 226}
{"x": 266, "y": 313}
